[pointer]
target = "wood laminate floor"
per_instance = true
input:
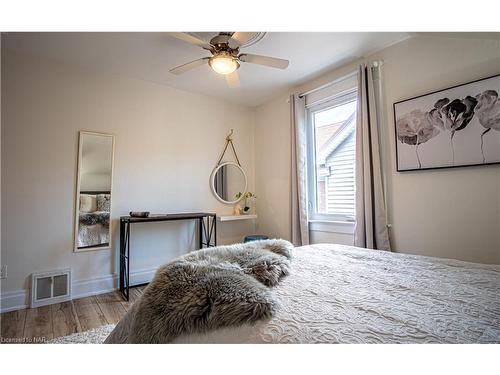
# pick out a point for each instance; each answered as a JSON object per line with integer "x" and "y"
{"x": 62, "y": 319}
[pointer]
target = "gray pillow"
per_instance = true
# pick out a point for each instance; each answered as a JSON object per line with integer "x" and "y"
{"x": 103, "y": 202}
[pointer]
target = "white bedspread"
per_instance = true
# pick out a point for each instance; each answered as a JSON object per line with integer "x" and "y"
{"x": 343, "y": 294}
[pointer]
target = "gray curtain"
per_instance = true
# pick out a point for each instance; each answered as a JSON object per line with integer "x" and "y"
{"x": 300, "y": 224}
{"x": 371, "y": 220}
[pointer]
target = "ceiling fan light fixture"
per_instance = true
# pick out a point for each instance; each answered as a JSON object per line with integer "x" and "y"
{"x": 223, "y": 64}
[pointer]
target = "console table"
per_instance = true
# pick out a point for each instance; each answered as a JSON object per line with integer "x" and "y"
{"x": 207, "y": 237}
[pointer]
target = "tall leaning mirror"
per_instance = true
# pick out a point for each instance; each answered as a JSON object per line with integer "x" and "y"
{"x": 93, "y": 193}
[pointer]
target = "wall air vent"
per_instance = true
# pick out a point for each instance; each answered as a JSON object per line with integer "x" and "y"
{"x": 50, "y": 287}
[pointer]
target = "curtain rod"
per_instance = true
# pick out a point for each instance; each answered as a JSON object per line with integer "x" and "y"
{"x": 343, "y": 78}
{"x": 375, "y": 64}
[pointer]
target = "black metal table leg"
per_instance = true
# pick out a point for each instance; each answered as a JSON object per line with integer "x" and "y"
{"x": 210, "y": 229}
{"x": 200, "y": 233}
{"x": 128, "y": 261}
{"x": 205, "y": 232}
{"x": 125, "y": 259}
{"x": 215, "y": 230}
{"x": 122, "y": 254}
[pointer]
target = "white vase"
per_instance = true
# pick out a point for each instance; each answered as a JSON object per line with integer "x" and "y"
{"x": 237, "y": 210}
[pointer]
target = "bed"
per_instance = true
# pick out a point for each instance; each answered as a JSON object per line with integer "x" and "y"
{"x": 344, "y": 294}
{"x": 93, "y": 219}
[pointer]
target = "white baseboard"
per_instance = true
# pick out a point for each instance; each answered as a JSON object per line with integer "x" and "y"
{"x": 15, "y": 300}
{"x": 19, "y": 299}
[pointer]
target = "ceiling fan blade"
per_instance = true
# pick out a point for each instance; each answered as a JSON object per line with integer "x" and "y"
{"x": 233, "y": 80}
{"x": 185, "y": 37}
{"x": 238, "y": 39}
{"x": 188, "y": 66}
{"x": 273, "y": 62}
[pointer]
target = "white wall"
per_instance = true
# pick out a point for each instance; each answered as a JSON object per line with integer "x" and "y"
{"x": 272, "y": 161}
{"x": 167, "y": 143}
{"x": 451, "y": 213}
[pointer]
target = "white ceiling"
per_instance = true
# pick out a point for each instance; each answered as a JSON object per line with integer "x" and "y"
{"x": 149, "y": 56}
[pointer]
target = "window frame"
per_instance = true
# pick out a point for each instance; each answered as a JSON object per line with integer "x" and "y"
{"x": 320, "y": 106}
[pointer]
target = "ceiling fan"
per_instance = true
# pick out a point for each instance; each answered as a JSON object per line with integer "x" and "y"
{"x": 226, "y": 56}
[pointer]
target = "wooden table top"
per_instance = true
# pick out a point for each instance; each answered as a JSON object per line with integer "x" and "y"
{"x": 167, "y": 217}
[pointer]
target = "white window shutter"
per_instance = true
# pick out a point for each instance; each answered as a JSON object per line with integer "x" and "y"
{"x": 340, "y": 182}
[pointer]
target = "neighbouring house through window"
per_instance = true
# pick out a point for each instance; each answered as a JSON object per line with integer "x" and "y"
{"x": 331, "y": 158}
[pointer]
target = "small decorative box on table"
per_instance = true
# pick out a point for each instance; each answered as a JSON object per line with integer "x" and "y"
{"x": 207, "y": 237}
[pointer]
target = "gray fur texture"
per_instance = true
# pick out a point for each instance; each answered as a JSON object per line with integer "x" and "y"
{"x": 207, "y": 289}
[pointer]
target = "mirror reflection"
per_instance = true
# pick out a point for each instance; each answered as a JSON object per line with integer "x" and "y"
{"x": 229, "y": 179}
{"x": 94, "y": 191}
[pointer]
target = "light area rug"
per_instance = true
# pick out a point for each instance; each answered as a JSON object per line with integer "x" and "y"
{"x": 93, "y": 336}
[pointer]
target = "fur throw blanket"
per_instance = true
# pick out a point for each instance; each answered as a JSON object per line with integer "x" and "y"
{"x": 205, "y": 290}
{"x": 92, "y": 218}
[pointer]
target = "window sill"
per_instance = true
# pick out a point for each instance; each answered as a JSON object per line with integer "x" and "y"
{"x": 346, "y": 227}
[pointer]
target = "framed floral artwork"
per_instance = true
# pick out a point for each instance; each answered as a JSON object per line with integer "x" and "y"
{"x": 455, "y": 127}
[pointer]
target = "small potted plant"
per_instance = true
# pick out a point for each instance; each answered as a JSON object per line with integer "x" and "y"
{"x": 248, "y": 197}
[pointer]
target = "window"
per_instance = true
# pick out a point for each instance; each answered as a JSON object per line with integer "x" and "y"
{"x": 331, "y": 158}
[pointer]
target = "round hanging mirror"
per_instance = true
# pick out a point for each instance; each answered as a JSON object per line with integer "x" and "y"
{"x": 227, "y": 180}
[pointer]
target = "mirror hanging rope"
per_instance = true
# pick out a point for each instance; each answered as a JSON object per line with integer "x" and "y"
{"x": 229, "y": 141}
